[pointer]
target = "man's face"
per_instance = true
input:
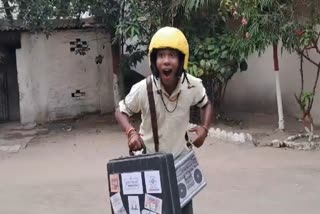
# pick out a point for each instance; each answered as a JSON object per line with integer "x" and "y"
{"x": 168, "y": 64}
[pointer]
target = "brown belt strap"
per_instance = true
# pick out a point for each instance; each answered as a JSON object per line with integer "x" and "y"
{"x": 152, "y": 106}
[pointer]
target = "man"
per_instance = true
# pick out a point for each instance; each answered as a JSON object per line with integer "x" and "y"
{"x": 174, "y": 92}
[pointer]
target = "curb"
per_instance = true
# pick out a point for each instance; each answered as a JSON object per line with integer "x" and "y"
{"x": 228, "y": 136}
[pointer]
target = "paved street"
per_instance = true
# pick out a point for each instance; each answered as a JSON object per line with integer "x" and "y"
{"x": 65, "y": 173}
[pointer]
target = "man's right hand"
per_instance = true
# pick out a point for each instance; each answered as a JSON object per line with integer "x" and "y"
{"x": 135, "y": 142}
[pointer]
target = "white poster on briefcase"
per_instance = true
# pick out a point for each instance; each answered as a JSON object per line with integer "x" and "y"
{"x": 132, "y": 183}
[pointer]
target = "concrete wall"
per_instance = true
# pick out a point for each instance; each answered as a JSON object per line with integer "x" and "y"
{"x": 143, "y": 67}
{"x": 56, "y": 83}
{"x": 254, "y": 90}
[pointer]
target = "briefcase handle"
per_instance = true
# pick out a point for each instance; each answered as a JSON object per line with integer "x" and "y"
{"x": 144, "y": 150}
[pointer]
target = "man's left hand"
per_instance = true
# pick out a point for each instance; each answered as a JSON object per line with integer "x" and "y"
{"x": 201, "y": 133}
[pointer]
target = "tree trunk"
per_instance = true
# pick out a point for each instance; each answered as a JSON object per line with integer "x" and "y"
{"x": 166, "y": 17}
{"x": 117, "y": 80}
{"x": 308, "y": 124}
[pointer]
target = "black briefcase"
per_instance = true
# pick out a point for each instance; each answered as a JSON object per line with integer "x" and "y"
{"x": 143, "y": 184}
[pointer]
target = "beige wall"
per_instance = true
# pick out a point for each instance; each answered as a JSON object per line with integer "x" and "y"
{"x": 254, "y": 90}
{"x": 49, "y": 72}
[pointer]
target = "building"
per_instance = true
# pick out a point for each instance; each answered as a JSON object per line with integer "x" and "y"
{"x": 60, "y": 76}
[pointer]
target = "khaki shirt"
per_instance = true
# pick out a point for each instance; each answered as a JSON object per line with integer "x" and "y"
{"x": 172, "y": 115}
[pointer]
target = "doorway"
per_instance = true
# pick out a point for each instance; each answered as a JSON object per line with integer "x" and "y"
{"x": 4, "y": 116}
{"x": 9, "y": 90}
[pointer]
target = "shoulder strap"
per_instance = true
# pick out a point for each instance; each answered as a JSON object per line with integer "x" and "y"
{"x": 152, "y": 106}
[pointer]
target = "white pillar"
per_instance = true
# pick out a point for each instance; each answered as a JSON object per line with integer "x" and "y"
{"x": 279, "y": 102}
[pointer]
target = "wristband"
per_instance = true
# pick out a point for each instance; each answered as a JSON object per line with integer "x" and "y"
{"x": 128, "y": 131}
{"x": 205, "y": 128}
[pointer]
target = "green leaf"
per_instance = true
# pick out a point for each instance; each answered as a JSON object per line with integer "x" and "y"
{"x": 194, "y": 67}
{"x": 208, "y": 65}
{"x": 213, "y": 62}
{"x": 223, "y": 56}
{"x": 211, "y": 47}
{"x": 203, "y": 63}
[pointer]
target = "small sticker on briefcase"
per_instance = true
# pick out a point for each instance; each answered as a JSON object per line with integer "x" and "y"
{"x": 114, "y": 183}
{"x": 153, "y": 203}
{"x": 153, "y": 181}
{"x": 134, "y": 205}
{"x": 117, "y": 204}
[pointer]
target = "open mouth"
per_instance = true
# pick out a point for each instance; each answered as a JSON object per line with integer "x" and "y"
{"x": 167, "y": 72}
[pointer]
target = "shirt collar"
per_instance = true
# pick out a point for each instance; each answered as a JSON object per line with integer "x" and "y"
{"x": 177, "y": 90}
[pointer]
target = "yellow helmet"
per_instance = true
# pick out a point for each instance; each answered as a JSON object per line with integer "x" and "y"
{"x": 170, "y": 37}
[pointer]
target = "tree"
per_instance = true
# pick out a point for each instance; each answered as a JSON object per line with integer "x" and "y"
{"x": 7, "y": 8}
{"x": 302, "y": 37}
{"x": 262, "y": 23}
{"x": 44, "y": 14}
{"x": 294, "y": 23}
